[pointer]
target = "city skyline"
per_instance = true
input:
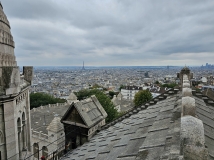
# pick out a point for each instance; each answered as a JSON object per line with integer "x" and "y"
{"x": 111, "y": 33}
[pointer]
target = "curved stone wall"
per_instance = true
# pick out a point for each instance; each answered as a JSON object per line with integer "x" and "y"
{"x": 7, "y": 45}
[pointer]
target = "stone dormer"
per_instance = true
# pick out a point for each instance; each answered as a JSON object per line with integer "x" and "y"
{"x": 82, "y": 120}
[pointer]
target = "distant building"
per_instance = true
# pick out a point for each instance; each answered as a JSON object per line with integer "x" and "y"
{"x": 122, "y": 104}
{"x": 207, "y": 87}
{"x": 47, "y": 130}
{"x": 129, "y": 92}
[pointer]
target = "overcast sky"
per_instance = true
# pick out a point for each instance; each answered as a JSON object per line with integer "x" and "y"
{"x": 112, "y": 32}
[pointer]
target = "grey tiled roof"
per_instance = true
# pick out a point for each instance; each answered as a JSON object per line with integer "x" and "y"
{"x": 90, "y": 110}
{"x": 42, "y": 117}
{"x": 152, "y": 133}
{"x": 205, "y": 113}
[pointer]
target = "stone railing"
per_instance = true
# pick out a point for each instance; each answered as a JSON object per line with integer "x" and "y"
{"x": 50, "y": 106}
{"x": 39, "y": 135}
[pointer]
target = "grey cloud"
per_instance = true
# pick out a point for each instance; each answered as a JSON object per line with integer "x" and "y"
{"x": 111, "y": 32}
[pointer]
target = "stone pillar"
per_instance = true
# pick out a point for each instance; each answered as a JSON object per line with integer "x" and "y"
{"x": 24, "y": 137}
{"x": 19, "y": 143}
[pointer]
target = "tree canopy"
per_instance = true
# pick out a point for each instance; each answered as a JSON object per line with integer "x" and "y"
{"x": 111, "y": 94}
{"x": 39, "y": 99}
{"x": 169, "y": 85}
{"x": 103, "y": 99}
{"x": 122, "y": 87}
{"x": 141, "y": 97}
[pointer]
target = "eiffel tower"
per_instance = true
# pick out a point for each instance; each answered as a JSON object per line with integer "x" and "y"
{"x": 83, "y": 67}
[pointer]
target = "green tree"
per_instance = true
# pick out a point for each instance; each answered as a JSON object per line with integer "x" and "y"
{"x": 122, "y": 87}
{"x": 104, "y": 100}
{"x": 38, "y": 99}
{"x": 141, "y": 97}
{"x": 157, "y": 82}
{"x": 111, "y": 94}
{"x": 170, "y": 85}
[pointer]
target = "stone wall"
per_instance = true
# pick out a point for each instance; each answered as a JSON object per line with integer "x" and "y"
{"x": 49, "y": 106}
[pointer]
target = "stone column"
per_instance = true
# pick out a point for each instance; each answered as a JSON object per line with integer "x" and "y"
{"x": 24, "y": 136}
{"x": 19, "y": 143}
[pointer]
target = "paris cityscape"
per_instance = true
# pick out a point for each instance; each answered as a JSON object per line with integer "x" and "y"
{"x": 106, "y": 80}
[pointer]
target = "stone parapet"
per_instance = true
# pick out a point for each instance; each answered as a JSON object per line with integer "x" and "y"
{"x": 49, "y": 106}
{"x": 186, "y": 92}
{"x": 192, "y": 140}
{"x": 39, "y": 135}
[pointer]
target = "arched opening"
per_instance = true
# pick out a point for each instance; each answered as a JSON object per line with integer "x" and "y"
{"x": 19, "y": 136}
{"x": 36, "y": 150}
{"x": 24, "y": 135}
{"x": 45, "y": 151}
{"x": 1, "y": 138}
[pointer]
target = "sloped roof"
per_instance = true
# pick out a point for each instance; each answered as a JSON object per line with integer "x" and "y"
{"x": 89, "y": 109}
{"x": 42, "y": 117}
{"x": 209, "y": 92}
{"x": 152, "y": 133}
{"x": 72, "y": 96}
{"x": 55, "y": 125}
{"x": 205, "y": 113}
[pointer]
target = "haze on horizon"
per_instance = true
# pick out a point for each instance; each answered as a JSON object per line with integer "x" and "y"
{"x": 112, "y": 32}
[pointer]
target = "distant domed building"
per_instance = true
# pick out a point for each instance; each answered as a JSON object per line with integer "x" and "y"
{"x": 15, "y": 126}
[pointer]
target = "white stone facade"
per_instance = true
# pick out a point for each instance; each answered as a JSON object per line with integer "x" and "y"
{"x": 128, "y": 94}
{"x": 15, "y": 123}
{"x": 54, "y": 141}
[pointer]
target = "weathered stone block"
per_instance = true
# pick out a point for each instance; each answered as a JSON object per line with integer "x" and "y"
{"x": 186, "y": 85}
{"x": 186, "y": 92}
{"x": 188, "y": 106}
{"x": 185, "y": 77}
{"x": 192, "y": 139}
{"x": 10, "y": 80}
{"x": 28, "y": 73}
{"x": 186, "y": 81}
